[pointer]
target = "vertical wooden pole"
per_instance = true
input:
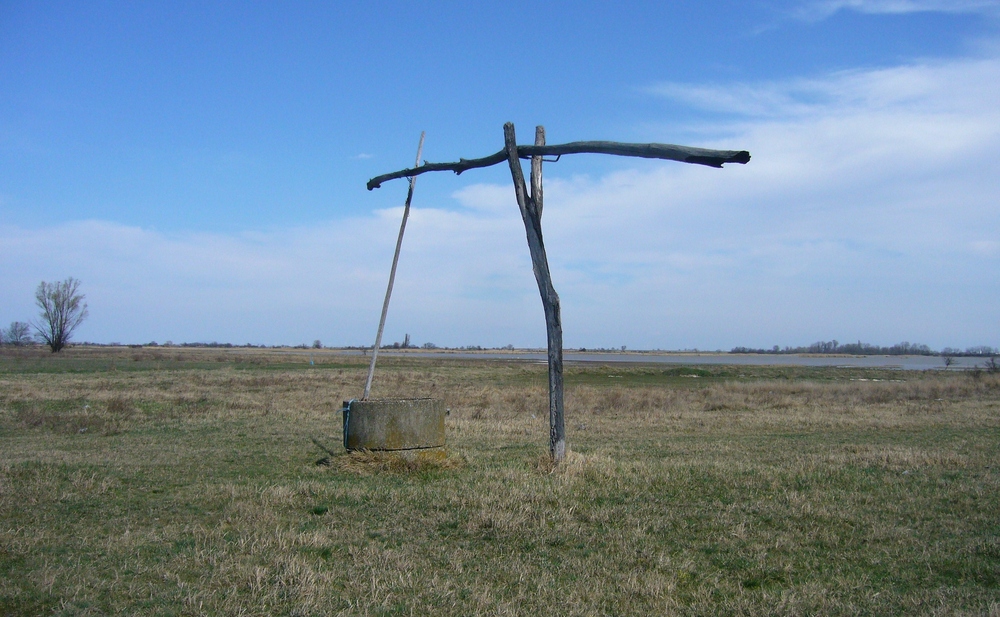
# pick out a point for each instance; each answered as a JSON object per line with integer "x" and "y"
{"x": 531, "y": 213}
{"x": 536, "y": 172}
{"x": 392, "y": 274}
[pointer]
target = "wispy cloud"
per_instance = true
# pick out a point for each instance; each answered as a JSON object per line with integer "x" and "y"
{"x": 931, "y": 87}
{"x": 821, "y": 9}
{"x": 363, "y": 156}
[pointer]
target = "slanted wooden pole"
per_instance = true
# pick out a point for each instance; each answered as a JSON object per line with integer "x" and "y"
{"x": 392, "y": 273}
{"x": 531, "y": 212}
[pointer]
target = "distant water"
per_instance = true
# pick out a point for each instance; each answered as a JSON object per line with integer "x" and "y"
{"x": 910, "y": 363}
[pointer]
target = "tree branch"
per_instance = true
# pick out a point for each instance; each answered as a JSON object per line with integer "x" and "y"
{"x": 669, "y": 152}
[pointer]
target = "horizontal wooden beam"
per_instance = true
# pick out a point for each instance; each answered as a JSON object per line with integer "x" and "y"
{"x": 669, "y": 152}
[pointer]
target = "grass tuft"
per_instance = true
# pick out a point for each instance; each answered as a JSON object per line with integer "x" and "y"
{"x": 370, "y": 462}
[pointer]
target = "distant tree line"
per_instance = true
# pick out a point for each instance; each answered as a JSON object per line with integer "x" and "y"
{"x": 397, "y": 345}
{"x": 213, "y": 345}
{"x": 865, "y": 349}
{"x": 978, "y": 351}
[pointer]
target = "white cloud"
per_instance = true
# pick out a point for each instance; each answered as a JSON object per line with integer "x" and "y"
{"x": 957, "y": 87}
{"x": 868, "y": 211}
{"x": 279, "y": 286}
{"x": 985, "y": 248}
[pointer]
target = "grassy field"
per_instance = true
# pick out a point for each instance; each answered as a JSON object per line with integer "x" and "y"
{"x": 183, "y": 482}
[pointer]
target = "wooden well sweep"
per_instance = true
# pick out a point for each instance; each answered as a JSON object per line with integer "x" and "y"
{"x": 530, "y": 205}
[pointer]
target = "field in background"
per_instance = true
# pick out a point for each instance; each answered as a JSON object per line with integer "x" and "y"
{"x": 169, "y": 481}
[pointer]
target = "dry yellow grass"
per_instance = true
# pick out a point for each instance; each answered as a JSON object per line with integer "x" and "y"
{"x": 193, "y": 490}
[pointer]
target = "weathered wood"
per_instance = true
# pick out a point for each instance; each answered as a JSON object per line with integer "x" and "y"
{"x": 669, "y": 152}
{"x": 536, "y": 171}
{"x": 392, "y": 274}
{"x": 531, "y": 213}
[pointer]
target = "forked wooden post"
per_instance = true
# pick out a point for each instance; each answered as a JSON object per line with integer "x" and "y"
{"x": 531, "y": 212}
{"x": 531, "y": 204}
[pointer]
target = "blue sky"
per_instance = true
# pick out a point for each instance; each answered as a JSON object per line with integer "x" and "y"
{"x": 201, "y": 167}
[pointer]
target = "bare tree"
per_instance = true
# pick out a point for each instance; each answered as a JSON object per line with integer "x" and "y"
{"x": 992, "y": 366}
{"x": 19, "y": 333}
{"x": 63, "y": 309}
